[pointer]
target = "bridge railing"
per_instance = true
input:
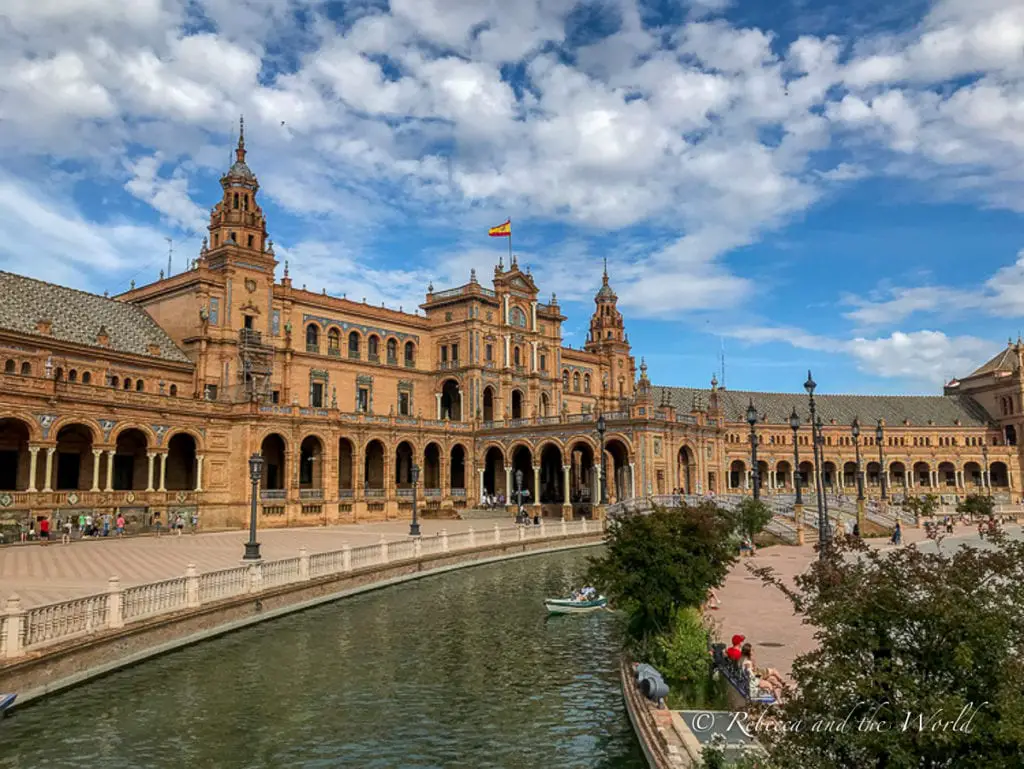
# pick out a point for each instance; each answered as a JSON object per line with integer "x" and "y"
{"x": 28, "y": 631}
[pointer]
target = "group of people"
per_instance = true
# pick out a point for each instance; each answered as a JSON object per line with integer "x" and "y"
{"x": 89, "y": 526}
{"x": 492, "y": 501}
{"x": 763, "y": 681}
{"x": 584, "y": 594}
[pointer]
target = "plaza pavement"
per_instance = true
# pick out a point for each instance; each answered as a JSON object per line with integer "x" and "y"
{"x": 42, "y": 574}
{"x": 765, "y": 616}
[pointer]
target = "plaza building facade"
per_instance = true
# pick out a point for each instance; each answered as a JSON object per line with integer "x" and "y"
{"x": 149, "y": 403}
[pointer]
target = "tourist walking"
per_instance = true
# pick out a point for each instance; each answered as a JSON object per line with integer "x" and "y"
{"x": 65, "y": 537}
{"x": 120, "y": 525}
{"x": 44, "y": 530}
{"x": 897, "y": 534}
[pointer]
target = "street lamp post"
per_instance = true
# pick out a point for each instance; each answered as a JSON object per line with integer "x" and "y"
{"x": 755, "y": 473}
{"x": 880, "y": 438}
{"x": 986, "y": 476}
{"x": 602, "y": 494}
{"x": 252, "y": 547}
{"x": 414, "y": 527}
{"x": 519, "y": 496}
{"x": 809, "y": 386}
{"x": 821, "y": 476}
{"x": 794, "y": 422}
{"x": 855, "y": 431}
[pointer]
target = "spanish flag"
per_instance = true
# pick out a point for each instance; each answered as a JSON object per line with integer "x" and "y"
{"x": 502, "y": 230}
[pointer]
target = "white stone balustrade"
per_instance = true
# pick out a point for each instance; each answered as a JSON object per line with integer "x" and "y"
{"x": 23, "y": 631}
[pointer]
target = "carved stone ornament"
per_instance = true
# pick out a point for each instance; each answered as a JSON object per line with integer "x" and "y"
{"x": 250, "y": 285}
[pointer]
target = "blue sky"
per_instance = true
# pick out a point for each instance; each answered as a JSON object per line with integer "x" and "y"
{"x": 804, "y": 184}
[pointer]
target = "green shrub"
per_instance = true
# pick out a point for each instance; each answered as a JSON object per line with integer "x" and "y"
{"x": 682, "y": 652}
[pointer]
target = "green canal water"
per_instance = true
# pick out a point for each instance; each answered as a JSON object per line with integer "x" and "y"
{"x": 459, "y": 670}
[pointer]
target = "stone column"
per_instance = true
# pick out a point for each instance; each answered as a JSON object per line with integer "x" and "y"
{"x": 598, "y": 483}
{"x": 533, "y": 316}
{"x": 96, "y": 455}
{"x": 536, "y": 485}
{"x": 508, "y": 350}
{"x": 566, "y": 498}
{"x": 163, "y": 472}
{"x": 110, "y": 469}
{"x": 33, "y": 461}
{"x": 199, "y": 472}
{"x": 150, "y": 455}
{"x": 480, "y": 489}
{"x": 632, "y": 480}
{"x": 48, "y": 481}
{"x": 438, "y": 397}
{"x": 509, "y": 491}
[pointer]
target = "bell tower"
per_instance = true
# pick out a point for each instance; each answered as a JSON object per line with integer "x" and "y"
{"x": 238, "y": 228}
{"x": 608, "y": 339}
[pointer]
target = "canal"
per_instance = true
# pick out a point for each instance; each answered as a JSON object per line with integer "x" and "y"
{"x": 459, "y": 670}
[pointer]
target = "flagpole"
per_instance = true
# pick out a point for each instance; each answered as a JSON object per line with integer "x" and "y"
{"x": 510, "y": 242}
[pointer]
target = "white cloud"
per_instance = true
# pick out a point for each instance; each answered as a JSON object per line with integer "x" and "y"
{"x": 169, "y": 196}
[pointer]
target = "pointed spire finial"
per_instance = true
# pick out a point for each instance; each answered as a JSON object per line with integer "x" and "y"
{"x": 606, "y": 268}
{"x": 286, "y": 268}
{"x": 240, "y": 151}
{"x": 472, "y": 275}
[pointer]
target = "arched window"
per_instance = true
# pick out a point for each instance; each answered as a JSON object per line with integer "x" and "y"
{"x": 236, "y": 201}
{"x": 586, "y": 383}
{"x": 9, "y": 367}
{"x": 515, "y": 356}
{"x": 565, "y": 381}
{"x": 312, "y": 338}
{"x": 127, "y": 383}
{"x": 517, "y": 317}
{"x": 333, "y": 342}
{"x": 393, "y": 352}
{"x": 174, "y": 390}
{"x": 86, "y": 377}
{"x": 353, "y": 344}
{"x": 576, "y": 382}
{"x": 373, "y": 347}
{"x": 58, "y": 374}
{"x": 73, "y": 375}
{"x": 245, "y": 203}
{"x": 114, "y": 382}
{"x": 26, "y": 369}
{"x": 410, "y": 354}
{"x": 139, "y": 385}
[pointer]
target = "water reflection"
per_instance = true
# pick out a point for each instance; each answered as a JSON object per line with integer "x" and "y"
{"x": 461, "y": 670}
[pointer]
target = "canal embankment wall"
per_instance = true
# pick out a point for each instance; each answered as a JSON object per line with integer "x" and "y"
{"x": 663, "y": 736}
{"x": 67, "y": 644}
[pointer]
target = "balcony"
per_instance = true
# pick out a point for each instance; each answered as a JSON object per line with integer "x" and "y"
{"x": 248, "y": 337}
{"x": 392, "y": 361}
{"x": 346, "y": 493}
{"x": 353, "y": 354}
{"x": 313, "y": 348}
{"x": 373, "y": 357}
{"x": 410, "y": 363}
{"x": 374, "y": 493}
{"x": 431, "y": 492}
{"x": 311, "y": 493}
{"x": 404, "y": 493}
{"x": 271, "y": 495}
{"x": 334, "y": 352}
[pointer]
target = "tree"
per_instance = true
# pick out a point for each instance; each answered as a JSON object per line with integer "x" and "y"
{"x": 921, "y": 507}
{"x": 918, "y": 663}
{"x": 752, "y": 516}
{"x": 656, "y": 564}
{"x": 977, "y": 505}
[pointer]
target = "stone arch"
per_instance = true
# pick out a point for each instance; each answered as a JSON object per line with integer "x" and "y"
{"x": 873, "y": 475}
{"x": 354, "y": 344}
{"x": 552, "y": 478}
{"x": 180, "y": 474}
{"x": 405, "y": 458}
{"x": 494, "y": 469}
{"x": 96, "y": 432}
{"x": 146, "y": 430}
{"x": 544, "y": 407}
{"x": 922, "y": 474}
{"x": 409, "y": 354}
{"x": 274, "y": 450}
{"x": 898, "y": 473}
{"x": 313, "y": 333}
{"x": 457, "y": 456}
{"x": 391, "y": 350}
{"x": 311, "y": 462}
{"x": 522, "y": 462}
{"x": 131, "y": 461}
{"x": 35, "y": 432}
{"x": 15, "y": 436}
{"x": 190, "y": 431}
{"x": 686, "y": 469}
{"x": 828, "y": 474}
{"x": 972, "y": 475}
{"x": 947, "y": 475}
{"x": 488, "y": 399}
{"x": 75, "y": 462}
{"x": 374, "y": 463}
{"x": 850, "y": 474}
{"x": 617, "y": 484}
{"x": 451, "y": 400}
{"x": 582, "y": 438}
{"x": 581, "y": 455}
{"x": 346, "y": 463}
{"x": 784, "y": 474}
{"x": 737, "y": 474}
{"x": 517, "y": 411}
{"x": 431, "y": 477}
{"x": 998, "y": 475}
{"x": 373, "y": 347}
{"x": 10, "y": 366}
{"x": 334, "y": 341}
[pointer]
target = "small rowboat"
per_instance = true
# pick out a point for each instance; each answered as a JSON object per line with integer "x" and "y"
{"x": 6, "y": 700}
{"x": 570, "y": 606}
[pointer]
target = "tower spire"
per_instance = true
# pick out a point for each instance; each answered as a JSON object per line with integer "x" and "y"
{"x": 606, "y": 269}
{"x": 240, "y": 151}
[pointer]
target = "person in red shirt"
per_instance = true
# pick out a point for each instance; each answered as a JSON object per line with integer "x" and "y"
{"x": 44, "y": 530}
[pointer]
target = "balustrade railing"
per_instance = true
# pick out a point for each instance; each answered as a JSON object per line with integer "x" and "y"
{"x": 311, "y": 493}
{"x": 54, "y": 624}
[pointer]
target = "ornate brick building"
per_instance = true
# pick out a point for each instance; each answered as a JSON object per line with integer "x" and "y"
{"x": 151, "y": 402}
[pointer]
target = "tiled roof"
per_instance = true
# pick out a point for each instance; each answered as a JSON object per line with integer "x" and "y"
{"x": 1006, "y": 360}
{"x": 943, "y": 410}
{"x": 77, "y": 316}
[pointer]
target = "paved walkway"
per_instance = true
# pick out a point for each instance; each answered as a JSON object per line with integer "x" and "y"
{"x": 42, "y": 574}
{"x": 766, "y": 617}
